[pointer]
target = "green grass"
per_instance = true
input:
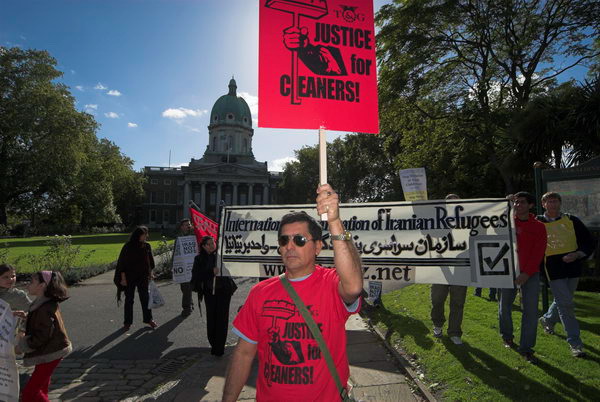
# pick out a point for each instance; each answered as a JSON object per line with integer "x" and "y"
{"x": 481, "y": 368}
{"x": 105, "y": 247}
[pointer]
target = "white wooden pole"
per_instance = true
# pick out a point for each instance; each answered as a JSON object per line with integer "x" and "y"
{"x": 323, "y": 161}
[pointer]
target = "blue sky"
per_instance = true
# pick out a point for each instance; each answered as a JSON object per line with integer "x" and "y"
{"x": 151, "y": 70}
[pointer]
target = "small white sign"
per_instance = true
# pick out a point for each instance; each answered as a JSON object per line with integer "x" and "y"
{"x": 414, "y": 184}
{"x": 186, "y": 249}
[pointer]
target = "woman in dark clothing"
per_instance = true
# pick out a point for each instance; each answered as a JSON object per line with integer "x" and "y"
{"x": 217, "y": 293}
{"x": 135, "y": 266}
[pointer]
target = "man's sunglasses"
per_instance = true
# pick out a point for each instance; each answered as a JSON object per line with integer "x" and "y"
{"x": 298, "y": 240}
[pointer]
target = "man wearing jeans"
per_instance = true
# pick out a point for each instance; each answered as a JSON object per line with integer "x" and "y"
{"x": 458, "y": 294}
{"x": 531, "y": 245}
{"x": 569, "y": 244}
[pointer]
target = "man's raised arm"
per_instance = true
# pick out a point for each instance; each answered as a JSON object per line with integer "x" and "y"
{"x": 346, "y": 259}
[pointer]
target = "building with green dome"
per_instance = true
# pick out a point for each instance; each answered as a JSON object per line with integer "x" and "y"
{"x": 227, "y": 173}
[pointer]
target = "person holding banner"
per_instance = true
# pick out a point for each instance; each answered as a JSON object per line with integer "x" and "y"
{"x": 187, "y": 304}
{"x": 531, "y": 245}
{"x": 135, "y": 265}
{"x": 458, "y": 295}
{"x": 569, "y": 244}
{"x": 216, "y": 291}
{"x": 291, "y": 364}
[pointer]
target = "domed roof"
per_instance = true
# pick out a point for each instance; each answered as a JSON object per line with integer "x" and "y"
{"x": 231, "y": 109}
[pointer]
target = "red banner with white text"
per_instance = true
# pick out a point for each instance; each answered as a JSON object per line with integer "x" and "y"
{"x": 203, "y": 225}
{"x": 317, "y": 65}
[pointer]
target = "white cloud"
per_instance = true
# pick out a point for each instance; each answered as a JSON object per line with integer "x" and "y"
{"x": 181, "y": 113}
{"x": 278, "y": 165}
{"x": 100, "y": 86}
{"x": 112, "y": 115}
{"x": 79, "y": 88}
{"x": 252, "y": 102}
{"x": 132, "y": 125}
{"x": 73, "y": 72}
{"x": 113, "y": 92}
{"x": 91, "y": 106}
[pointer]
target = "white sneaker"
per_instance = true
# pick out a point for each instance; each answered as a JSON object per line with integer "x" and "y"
{"x": 437, "y": 332}
{"x": 577, "y": 351}
{"x": 456, "y": 340}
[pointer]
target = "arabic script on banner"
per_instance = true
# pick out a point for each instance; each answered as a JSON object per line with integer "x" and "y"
{"x": 458, "y": 242}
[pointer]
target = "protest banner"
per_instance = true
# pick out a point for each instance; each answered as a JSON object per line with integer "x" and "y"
{"x": 185, "y": 250}
{"x": 9, "y": 373}
{"x": 317, "y": 65}
{"x": 203, "y": 225}
{"x": 414, "y": 184}
{"x": 457, "y": 242}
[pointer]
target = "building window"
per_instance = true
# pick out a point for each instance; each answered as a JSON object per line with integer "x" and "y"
{"x": 167, "y": 182}
{"x": 212, "y": 199}
{"x": 153, "y": 181}
{"x": 229, "y": 116}
{"x": 152, "y": 215}
{"x": 166, "y": 216}
{"x": 153, "y": 196}
{"x": 258, "y": 199}
{"x": 243, "y": 199}
{"x": 245, "y": 145}
{"x": 216, "y": 118}
{"x": 166, "y": 197}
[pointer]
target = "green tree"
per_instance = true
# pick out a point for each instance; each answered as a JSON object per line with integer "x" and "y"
{"x": 561, "y": 126}
{"x": 41, "y": 133}
{"x": 475, "y": 62}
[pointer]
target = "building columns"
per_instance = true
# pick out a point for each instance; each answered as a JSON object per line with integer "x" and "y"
{"x": 203, "y": 197}
{"x": 219, "y": 184}
{"x": 266, "y": 194}
{"x": 235, "y": 194}
{"x": 186, "y": 199}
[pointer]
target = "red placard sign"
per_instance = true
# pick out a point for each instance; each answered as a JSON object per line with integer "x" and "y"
{"x": 317, "y": 65}
{"x": 203, "y": 225}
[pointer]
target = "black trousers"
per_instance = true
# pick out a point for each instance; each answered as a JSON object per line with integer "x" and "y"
{"x": 217, "y": 321}
{"x": 186, "y": 296}
{"x": 142, "y": 288}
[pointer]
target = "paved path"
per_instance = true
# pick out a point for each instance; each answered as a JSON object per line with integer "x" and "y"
{"x": 173, "y": 362}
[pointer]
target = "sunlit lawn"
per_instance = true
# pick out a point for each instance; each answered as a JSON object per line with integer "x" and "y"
{"x": 482, "y": 369}
{"x": 95, "y": 249}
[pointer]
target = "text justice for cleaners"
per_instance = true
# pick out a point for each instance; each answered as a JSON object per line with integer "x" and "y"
{"x": 329, "y": 88}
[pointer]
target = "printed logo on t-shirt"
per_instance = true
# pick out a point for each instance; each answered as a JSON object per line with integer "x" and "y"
{"x": 292, "y": 346}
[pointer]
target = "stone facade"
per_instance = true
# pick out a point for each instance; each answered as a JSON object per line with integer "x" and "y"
{"x": 227, "y": 174}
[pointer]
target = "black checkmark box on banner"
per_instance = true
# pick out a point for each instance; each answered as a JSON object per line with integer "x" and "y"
{"x": 492, "y": 263}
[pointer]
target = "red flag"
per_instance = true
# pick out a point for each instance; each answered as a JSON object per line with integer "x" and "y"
{"x": 317, "y": 65}
{"x": 203, "y": 225}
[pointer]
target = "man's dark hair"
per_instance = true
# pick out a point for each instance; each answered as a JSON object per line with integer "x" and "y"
{"x": 528, "y": 196}
{"x": 314, "y": 228}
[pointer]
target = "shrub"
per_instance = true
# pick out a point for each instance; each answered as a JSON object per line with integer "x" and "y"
{"x": 59, "y": 256}
{"x": 163, "y": 264}
{"x": 4, "y": 231}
